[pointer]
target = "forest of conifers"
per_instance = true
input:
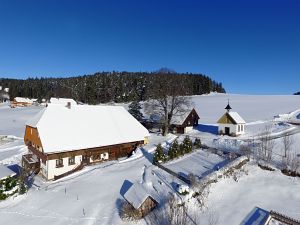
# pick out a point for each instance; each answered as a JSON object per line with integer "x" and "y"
{"x": 107, "y": 86}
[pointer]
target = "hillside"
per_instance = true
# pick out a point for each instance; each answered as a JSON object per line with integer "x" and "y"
{"x": 107, "y": 86}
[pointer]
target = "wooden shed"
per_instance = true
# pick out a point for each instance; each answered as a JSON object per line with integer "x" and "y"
{"x": 140, "y": 199}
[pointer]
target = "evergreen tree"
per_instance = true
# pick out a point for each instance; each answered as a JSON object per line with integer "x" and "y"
{"x": 187, "y": 144}
{"x": 174, "y": 150}
{"x": 135, "y": 110}
{"x": 158, "y": 154}
{"x": 197, "y": 143}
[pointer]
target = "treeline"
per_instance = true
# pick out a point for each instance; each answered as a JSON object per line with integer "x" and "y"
{"x": 107, "y": 86}
{"x": 297, "y": 93}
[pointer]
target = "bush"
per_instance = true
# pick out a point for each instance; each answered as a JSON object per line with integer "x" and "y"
{"x": 127, "y": 212}
{"x": 9, "y": 183}
{"x": 197, "y": 143}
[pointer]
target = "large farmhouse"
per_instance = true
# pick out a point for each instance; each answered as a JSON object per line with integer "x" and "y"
{"x": 62, "y": 139}
{"x": 231, "y": 123}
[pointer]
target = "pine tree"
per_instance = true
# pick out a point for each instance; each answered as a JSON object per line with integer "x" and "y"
{"x": 174, "y": 150}
{"x": 159, "y": 154}
{"x": 197, "y": 143}
{"x": 187, "y": 145}
{"x": 135, "y": 110}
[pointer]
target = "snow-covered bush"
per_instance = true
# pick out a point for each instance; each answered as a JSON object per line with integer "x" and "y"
{"x": 159, "y": 154}
{"x": 197, "y": 143}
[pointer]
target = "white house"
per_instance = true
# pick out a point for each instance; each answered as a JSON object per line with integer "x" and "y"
{"x": 231, "y": 123}
{"x": 63, "y": 101}
{"x": 63, "y": 139}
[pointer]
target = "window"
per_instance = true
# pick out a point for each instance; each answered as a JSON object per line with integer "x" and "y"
{"x": 242, "y": 127}
{"x": 239, "y": 128}
{"x": 59, "y": 162}
{"x": 72, "y": 160}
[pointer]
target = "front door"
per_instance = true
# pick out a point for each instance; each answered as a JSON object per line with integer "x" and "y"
{"x": 85, "y": 159}
{"x": 227, "y": 130}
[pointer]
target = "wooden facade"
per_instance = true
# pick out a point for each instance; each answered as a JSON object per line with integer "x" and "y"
{"x": 15, "y": 103}
{"x": 147, "y": 206}
{"x": 88, "y": 156}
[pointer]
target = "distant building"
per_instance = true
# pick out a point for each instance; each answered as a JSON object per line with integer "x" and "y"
{"x": 22, "y": 102}
{"x": 185, "y": 122}
{"x": 6, "y": 90}
{"x": 63, "y": 101}
{"x": 231, "y": 123}
{"x": 63, "y": 139}
{"x": 140, "y": 199}
{"x": 3, "y": 96}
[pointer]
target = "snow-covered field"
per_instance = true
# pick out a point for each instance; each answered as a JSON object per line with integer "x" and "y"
{"x": 92, "y": 195}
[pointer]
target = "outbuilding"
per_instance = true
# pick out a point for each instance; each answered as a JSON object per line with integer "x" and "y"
{"x": 185, "y": 122}
{"x": 140, "y": 199}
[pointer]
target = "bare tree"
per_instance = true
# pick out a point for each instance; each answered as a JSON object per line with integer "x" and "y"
{"x": 167, "y": 100}
{"x": 246, "y": 150}
{"x": 295, "y": 163}
{"x": 266, "y": 146}
{"x": 287, "y": 142}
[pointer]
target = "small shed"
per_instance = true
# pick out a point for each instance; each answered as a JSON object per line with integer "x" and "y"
{"x": 231, "y": 123}
{"x": 6, "y": 172}
{"x": 182, "y": 123}
{"x": 140, "y": 199}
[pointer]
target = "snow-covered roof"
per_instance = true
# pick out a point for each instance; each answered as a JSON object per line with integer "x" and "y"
{"x": 5, "y": 172}
{"x": 21, "y": 99}
{"x": 63, "y": 101}
{"x": 236, "y": 117}
{"x": 83, "y": 126}
{"x": 136, "y": 195}
{"x": 180, "y": 117}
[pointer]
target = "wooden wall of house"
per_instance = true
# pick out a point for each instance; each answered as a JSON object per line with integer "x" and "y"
{"x": 147, "y": 206}
{"x": 32, "y": 135}
{"x": 192, "y": 119}
{"x": 114, "y": 151}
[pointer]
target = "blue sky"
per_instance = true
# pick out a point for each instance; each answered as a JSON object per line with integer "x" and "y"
{"x": 251, "y": 46}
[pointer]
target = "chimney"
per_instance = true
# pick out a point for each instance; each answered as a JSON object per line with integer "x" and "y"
{"x": 69, "y": 105}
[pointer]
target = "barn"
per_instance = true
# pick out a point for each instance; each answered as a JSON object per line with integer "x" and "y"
{"x": 63, "y": 139}
{"x": 231, "y": 123}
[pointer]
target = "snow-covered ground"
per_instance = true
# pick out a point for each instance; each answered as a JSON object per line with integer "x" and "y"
{"x": 93, "y": 195}
{"x": 232, "y": 200}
